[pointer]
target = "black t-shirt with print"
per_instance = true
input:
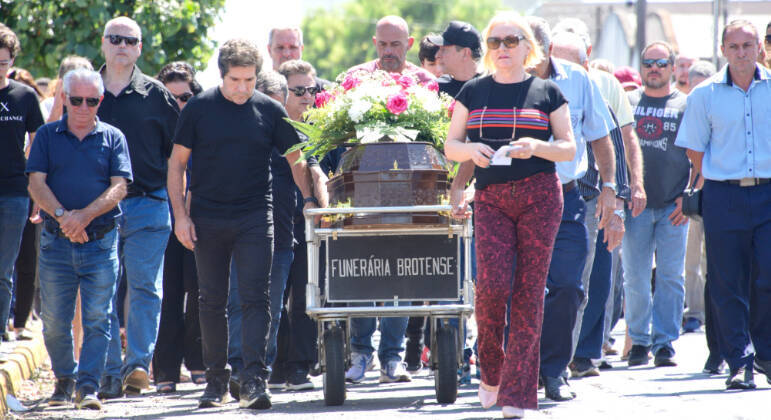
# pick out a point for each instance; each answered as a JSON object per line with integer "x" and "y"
{"x": 231, "y": 147}
{"x": 19, "y": 114}
{"x": 491, "y": 106}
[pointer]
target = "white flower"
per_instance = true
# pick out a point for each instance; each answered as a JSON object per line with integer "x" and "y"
{"x": 358, "y": 108}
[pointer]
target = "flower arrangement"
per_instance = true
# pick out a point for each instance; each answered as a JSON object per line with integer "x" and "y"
{"x": 367, "y": 107}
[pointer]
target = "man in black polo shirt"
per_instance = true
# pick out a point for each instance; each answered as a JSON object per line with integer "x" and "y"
{"x": 147, "y": 114}
{"x": 78, "y": 169}
{"x": 19, "y": 115}
{"x": 230, "y": 131}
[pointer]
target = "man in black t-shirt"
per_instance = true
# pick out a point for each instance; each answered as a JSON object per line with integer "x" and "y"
{"x": 460, "y": 49}
{"x": 230, "y": 131}
{"x": 19, "y": 115}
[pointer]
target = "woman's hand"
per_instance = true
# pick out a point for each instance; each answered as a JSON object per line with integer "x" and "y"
{"x": 523, "y": 148}
{"x": 480, "y": 154}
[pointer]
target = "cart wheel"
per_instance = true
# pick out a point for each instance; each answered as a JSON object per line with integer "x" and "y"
{"x": 446, "y": 376}
{"x": 334, "y": 372}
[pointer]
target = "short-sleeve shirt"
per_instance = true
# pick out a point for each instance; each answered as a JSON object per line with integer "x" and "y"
{"x": 79, "y": 171}
{"x": 19, "y": 115}
{"x": 614, "y": 95}
{"x": 421, "y": 74}
{"x": 231, "y": 147}
{"x": 667, "y": 167}
{"x": 491, "y": 107}
{"x": 147, "y": 114}
{"x": 450, "y": 85}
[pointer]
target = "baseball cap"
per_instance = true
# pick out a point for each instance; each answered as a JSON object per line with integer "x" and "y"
{"x": 461, "y": 34}
{"x": 628, "y": 77}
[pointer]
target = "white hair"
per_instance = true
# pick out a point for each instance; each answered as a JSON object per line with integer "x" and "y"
{"x": 82, "y": 75}
{"x": 570, "y": 40}
{"x": 575, "y": 26}
{"x": 703, "y": 69}
{"x": 541, "y": 31}
{"x": 123, "y": 20}
{"x": 296, "y": 30}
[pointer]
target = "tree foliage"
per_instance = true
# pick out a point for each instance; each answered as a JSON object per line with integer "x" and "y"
{"x": 340, "y": 38}
{"x": 50, "y": 30}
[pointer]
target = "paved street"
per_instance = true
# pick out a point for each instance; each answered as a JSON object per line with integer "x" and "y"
{"x": 681, "y": 392}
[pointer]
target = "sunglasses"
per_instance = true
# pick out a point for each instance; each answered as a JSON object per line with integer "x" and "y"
{"x": 78, "y": 101}
{"x": 300, "y": 90}
{"x": 660, "y": 63}
{"x": 116, "y": 39}
{"x": 768, "y": 39}
{"x": 510, "y": 41}
{"x": 185, "y": 96}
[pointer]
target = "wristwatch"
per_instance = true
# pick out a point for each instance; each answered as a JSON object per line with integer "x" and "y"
{"x": 311, "y": 199}
{"x": 620, "y": 213}
{"x": 59, "y": 212}
{"x": 611, "y": 185}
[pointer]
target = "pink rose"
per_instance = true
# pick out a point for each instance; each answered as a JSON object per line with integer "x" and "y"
{"x": 432, "y": 86}
{"x": 350, "y": 82}
{"x": 406, "y": 81}
{"x": 396, "y": 76}
{"x": 397, "y": 103}
{"x": 450, "y": 109}
{"x": 323, "y": 98}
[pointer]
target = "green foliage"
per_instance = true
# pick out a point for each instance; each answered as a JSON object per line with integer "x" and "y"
{"x": 50, "y": 30}
{"x": 338, "y": 39}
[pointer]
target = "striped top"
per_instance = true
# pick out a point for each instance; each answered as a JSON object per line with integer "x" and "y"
{"x": 527, "y": 118}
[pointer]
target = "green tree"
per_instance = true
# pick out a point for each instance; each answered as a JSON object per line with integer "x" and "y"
{"x": 340, "y": 38}
{"x": 50, "y": 30}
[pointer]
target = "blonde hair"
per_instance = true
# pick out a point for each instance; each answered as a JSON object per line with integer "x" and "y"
{"x": 535, "y": 55}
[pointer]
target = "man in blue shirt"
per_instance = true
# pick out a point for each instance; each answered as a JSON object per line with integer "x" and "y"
{"x": 728, "y": 136}
{"x": 78, "y": 170}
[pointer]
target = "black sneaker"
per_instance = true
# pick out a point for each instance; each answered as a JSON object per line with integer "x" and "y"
{"x": 714, "y": 364}
{"x": 110, "y": 388}
{"x": 235, "y": 386}
{"x": 298, "y": 381}
{"x": 254, "y": 395}
{"x": 664, "y": 357}
{"x": 763, "y": 367}
{"x": 278, "y": 377}
{"x": 583, "y": 367}
{"x": 638, "y": 355}
{"x": 62, "y": 392}
{"x": 741, "y": 379}
{"x": 215, "y": 394}
{"x": 86, "y": 399}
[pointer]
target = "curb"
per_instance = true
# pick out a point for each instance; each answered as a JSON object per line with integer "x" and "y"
{"x": 27, "y": 356}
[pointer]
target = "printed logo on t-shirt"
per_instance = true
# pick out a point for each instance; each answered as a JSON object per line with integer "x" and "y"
{"x": 4, "y": 110}
{"x": 655, "y": 126}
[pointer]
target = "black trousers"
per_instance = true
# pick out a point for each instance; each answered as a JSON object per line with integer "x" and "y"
{"x": 179, "y": 332}
{"x": 248, "y": 241}
{"x": 26, "y": 269}
{"x": 302, "y": 329}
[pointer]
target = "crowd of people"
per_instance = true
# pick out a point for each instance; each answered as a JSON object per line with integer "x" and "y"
{"x": 164, "y": 222}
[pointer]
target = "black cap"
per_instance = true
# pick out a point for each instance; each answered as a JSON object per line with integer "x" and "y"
{"x": 461, "y": 34}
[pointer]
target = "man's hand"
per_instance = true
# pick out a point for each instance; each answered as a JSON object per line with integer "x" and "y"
{"x": 312, "y": 205}
{"x": 459, "y": 204}
{"x": 606, "y": 204}
{"x": 35, "y": 216}
{"x": 639, "y": 200}
{"x": 73, "y": 224}
{"x": 185, "y": 231}
{"x": 677, "y": 217}
{"x": 614, "y": 232}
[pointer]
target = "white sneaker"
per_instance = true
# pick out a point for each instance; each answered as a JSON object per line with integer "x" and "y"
{"x": 395, "y": 371}
{"x": 360, "y": 364}
{"x": 510, "y": 412}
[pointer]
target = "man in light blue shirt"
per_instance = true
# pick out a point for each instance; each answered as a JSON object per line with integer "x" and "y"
{"x": 591, "y": 123}
{"x": 727, "y": 132}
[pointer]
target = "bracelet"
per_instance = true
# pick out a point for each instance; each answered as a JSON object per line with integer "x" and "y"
{"x": 311, "y": 199}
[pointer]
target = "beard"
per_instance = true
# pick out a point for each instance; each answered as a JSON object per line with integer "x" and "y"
{"x": 656, "y": 84}
{"x": 390, "y": 63}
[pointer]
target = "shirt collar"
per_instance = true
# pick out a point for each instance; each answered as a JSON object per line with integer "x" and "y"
{"x": 726, "y": 76}
{"x": 137, "y": 82}
{"x": 61, "y": 126}
{"x": 557, "y": 69}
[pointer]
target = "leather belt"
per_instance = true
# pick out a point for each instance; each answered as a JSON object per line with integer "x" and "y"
{"x": 748, "y": 182}
{"x": 569, "y": 186}
{"x": 93, "y": 234}
{"x": 136, "y": 193}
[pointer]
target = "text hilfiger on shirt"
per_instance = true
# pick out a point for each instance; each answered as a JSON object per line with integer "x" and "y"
{"x": 650, "y": 111}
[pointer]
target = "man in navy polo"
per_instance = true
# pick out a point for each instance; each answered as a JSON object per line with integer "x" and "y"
{"x": 78, "y": 170}
{"x": 727, "y": 135}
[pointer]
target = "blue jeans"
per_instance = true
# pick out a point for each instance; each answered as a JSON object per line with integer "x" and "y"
{"x": 144, "y": 232}
{"x": 654, "y": 319}
{"x": 13, "y": 218}
{"x": 590, "y": 339}
{"x": 282, "y": 262}
{"x": 392, "y": 330}
{"x": 64, "y": 266}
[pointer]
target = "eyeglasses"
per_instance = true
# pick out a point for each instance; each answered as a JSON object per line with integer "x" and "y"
{"x": 510, "y": 41}
{"x": 300, "y": 90}
{"x": 768, "y": 39}
{"x": 116, "y": 39}
{"x": 78, "y": 101}
{"x": 184, "y": 97}
{"x": 660, "y": 63}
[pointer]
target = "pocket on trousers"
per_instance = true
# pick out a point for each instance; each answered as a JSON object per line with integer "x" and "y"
{"x": 108, "y": 241}
{"x": 46, "y": 239}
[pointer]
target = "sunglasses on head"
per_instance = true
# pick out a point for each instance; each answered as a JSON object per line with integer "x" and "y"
{"x": 660, "y": 63}
{"x": 116, "y": 39}
{"x": 510, "y": 41}
{"x": 78, "y": 101}
{"x": 185, "y": 96}
{"x": 300, "y": 90}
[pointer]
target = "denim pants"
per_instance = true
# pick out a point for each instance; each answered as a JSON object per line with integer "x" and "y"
{"x": 64, "y": 267}
{"x": 591, "y": 223}
{"x": 13, "y": 218}
{"x": 589, "y": 342}
{"x": 654, "y": 319}
{"x": 392, "y": 330}
{"x": 247, "y": 242}
{"x": 737, "y": 227}
{"x": 282, "y": 261}
{"x": 144, "y": 230}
